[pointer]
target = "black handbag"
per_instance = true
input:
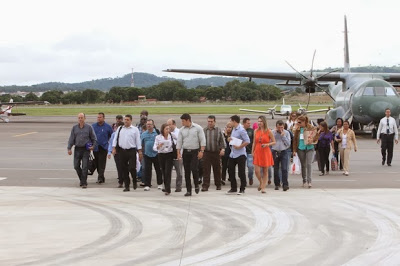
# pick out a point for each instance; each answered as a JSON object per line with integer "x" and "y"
{"x": 174, "y": 154}
{"x": 91, "y": 165}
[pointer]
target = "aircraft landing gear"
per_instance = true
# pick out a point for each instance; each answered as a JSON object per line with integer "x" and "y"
{"x": 373, "y": 133}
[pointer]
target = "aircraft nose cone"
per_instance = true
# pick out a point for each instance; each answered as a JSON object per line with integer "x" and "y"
{"x": 377, "y": 109}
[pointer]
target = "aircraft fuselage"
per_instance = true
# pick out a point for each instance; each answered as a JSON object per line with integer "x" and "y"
{"x": 364, "y": 97}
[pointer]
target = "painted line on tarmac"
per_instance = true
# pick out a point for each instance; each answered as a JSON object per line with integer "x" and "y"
{"x": 334, "y": 180}
{"x": 25, "y": 134}
{"x": 55, "y": 178}
{"x": 42, "y": 169}
{"x": 3, "y": 178}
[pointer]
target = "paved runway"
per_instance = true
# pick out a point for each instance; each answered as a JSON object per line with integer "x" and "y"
{"x": 47, "y": 219}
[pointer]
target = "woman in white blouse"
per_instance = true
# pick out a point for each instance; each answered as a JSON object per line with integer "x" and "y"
{"x": 164, "y": 146}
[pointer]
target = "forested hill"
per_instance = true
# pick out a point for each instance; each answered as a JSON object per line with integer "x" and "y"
{"x": 148, "y": 80}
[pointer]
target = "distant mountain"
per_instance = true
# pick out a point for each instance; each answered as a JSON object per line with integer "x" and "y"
{"x": 148, "y": 80}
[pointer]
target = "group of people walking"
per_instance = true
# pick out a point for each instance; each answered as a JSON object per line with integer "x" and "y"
{"x": 138, "y": 149}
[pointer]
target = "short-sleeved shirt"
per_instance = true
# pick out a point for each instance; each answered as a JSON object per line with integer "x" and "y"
{"x": 240, "y": 133}
{"x": 325, "y": 139}
{"x": 148, "y": 139}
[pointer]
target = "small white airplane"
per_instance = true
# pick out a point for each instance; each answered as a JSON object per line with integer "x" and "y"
{"x": 6, "y": 112}
{"x": 285, "y": 110}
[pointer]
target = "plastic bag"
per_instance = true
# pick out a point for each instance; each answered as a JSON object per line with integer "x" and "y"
{"x": 295, "y": 168}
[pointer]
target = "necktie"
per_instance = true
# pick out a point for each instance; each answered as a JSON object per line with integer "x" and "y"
{"x": 387, "y": 127}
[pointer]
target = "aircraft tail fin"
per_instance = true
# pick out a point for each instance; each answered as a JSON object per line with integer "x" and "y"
{"x": 346, "y": 48}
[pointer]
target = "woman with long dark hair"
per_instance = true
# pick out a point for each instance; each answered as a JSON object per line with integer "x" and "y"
{"x": 325, "y": 142}
{"x": 334, "y": 130}
{"x": 163, "y": 144}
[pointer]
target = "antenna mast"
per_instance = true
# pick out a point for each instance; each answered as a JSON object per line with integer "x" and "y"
{"x": 132, "y": 82}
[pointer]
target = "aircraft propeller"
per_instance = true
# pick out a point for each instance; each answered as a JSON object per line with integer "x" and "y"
{"x": 311, "y": 82}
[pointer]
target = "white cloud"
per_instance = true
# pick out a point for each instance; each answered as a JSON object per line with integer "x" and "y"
{"x": 74, "y": 41}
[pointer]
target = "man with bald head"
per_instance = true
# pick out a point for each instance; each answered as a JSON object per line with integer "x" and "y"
{"x": 84, "y": 139}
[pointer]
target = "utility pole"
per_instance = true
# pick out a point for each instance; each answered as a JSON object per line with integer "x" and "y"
{"x": 132, "y": 82}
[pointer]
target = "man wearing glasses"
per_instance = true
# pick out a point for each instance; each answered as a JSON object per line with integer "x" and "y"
{"x": 387, "y": 132}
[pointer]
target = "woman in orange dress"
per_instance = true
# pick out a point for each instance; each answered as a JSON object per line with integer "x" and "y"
{"x": 262, "y": 155}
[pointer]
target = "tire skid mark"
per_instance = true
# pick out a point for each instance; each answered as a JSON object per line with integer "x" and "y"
{"x": 386, "y": 248}
{"x": 281, "y": 226}
{"x": 100, "y": 245}
{"x": 177, "y": 228}
{"x": 262, "y": 225}
{"x": 135, "y": 229}
{"x": 113, "y": 231}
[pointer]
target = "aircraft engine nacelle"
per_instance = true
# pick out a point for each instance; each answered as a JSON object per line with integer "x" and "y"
{"x": 334, "y": 114}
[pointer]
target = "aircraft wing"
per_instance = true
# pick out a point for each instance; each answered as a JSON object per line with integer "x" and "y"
{"x": 317, "y": 111}
{"x": 390, "y": 77}
{"x": 16, "y": 114}
{"x": 263, "y": 75}
{"x": 255, "y": 111}
{"x": 25, "y": 103}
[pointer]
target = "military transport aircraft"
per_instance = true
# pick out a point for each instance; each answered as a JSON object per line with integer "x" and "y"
{"x": 360, "y": 98}
{"x": 6, "y": 112}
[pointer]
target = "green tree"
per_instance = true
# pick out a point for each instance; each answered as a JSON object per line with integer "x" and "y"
{"x": 53, "y": 96}
{"x": 31, "y": 97}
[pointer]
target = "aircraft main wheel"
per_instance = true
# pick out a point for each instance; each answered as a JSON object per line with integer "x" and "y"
{"x": 373, "y": 134}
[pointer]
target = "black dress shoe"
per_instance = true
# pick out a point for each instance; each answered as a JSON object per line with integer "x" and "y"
{"x": 389, "y": 164}
{"x": 126, "y": 189}
{"x": 218, "y": 187}
{"x": 200, "y": 181}
{"x": 223, "y": 182}
{"x": 163, "y": 190}
{"x": 120, "y": 186}
{"x": 84, "y": 186}
{"x": 276, "y": 187}
{"x": 383, "y": 162}
{"x": 178, "y": 190}
{"x": 197, "y": 190}
{"x": 204, "y": 189}
{"x": 285, "y": 188}
{"x": 188, "y": 194}
{"x": 134, "y": 185}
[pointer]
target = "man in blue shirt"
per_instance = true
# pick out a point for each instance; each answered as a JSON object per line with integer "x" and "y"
{"x": 150, "y": 156}
{"x": 103, "y": 133}
{"x": 238, "y": 155}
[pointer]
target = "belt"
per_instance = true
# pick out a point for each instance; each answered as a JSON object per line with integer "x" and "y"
{"x": 190, "y": 150}
{"x": 128, "y": 149}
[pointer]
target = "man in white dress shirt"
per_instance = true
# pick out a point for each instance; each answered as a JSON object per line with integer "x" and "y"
{"x": 387, "y": 132}
{"x": 127, "y": 143}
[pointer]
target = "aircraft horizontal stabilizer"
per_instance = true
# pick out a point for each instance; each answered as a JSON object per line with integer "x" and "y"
{"x": 255, "y": 111}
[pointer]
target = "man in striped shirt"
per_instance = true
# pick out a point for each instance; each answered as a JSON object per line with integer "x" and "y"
{"x": 215, "y": 148}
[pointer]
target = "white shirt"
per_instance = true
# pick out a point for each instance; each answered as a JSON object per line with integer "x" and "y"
{"x": 176, "y": 133}
{"x": 382, "y": 129}
{"x": 344, "y": 141}
{"x": 166, "y": 147}
{"x": 290, "y": 123}
{"x": 129, "y": 138}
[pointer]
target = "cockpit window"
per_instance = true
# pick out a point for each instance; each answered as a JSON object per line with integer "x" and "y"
{"x": 380, "y": 91}
{"x": 390, "y": 91}
{"x": 368, "y": 91}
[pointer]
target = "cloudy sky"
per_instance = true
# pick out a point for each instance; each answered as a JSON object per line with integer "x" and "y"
{"x": 74, "y": 41}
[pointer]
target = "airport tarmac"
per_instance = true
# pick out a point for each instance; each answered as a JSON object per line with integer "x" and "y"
{"x": 48, "y": 219}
